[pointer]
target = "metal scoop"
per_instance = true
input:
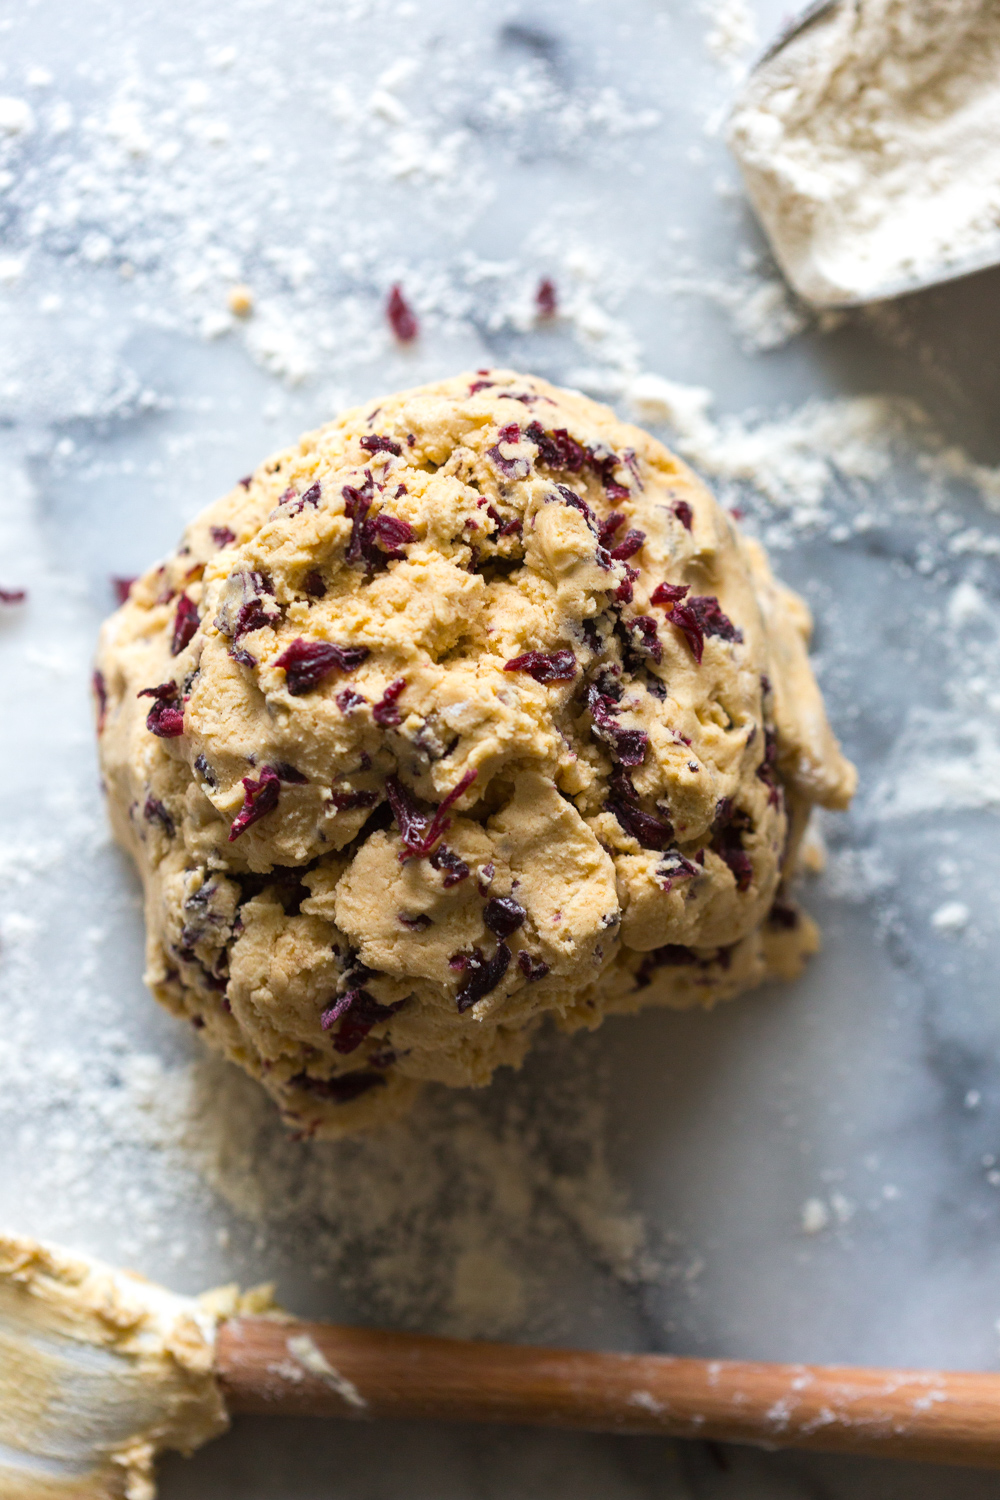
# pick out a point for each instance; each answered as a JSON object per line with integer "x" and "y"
{"x": 868, "y": 134}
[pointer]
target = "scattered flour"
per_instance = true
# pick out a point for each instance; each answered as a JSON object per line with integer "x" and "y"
{"x": 731, "y": 34}
{"x": 951, "y": 918}
{"x": 162, "y": 179}
{"x": 796, "y": 459}
{"x": 815, "y": 1216}
{"x": 306, "y": 1354}
{"x": 16, "y": 116}
{"x": 439, "y": 1221}
{"x": 763, "y": 313}
{"x": 856, "y": 875}
{"x": 942, "y": 760}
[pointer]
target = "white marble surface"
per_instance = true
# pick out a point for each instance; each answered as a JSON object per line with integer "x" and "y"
{"x": 643, "y": 1187}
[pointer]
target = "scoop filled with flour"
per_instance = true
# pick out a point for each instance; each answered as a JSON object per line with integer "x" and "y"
{"x": 471, "y": 707}
{"x": 870, "y": 145}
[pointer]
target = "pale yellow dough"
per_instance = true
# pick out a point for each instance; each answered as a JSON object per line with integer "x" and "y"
{"x": 606, "y": 924}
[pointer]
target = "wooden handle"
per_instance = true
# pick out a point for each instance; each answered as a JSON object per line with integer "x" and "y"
{"x": 317, "y": 1369}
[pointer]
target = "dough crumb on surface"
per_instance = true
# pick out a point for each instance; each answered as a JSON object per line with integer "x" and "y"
{"x": 240, "y": 300}
{"x": 470, "y": 707}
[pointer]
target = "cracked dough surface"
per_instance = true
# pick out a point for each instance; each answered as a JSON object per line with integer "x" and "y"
{"x": 454, "y": 599}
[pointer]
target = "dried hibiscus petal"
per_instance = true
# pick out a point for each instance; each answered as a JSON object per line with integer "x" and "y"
{"x": 291, "y": 774}
{"x": 783, "y": 915}
{"x": 186, "y": 624}
{"x": 260, "y": 797}
{"x": 306, "y": 663}
{"x": 483, "y": 977}
{"x": 610, "y": 525}
{"x": 252, "y": 616}
{"x": 545, "y": 666}
{"x": 739, "y": 862}
{"x": 358, "y": 1012}
{"x": 532, "y": 968}
{"x": 671, "y": 954}
{"x": 511, "y": 468}
{"x": 629, "y": 745}
{"x": 375, "y": 540}
{"x": 668, "y": 593}
{"x": 202, "y": 766}
{"x": 644, "y": 636}
{"x": 727, "y": 841}
{"x": 378, "y": 443}
{"x": 101, "y": 694}
{"x": 504, "y": 528}
{"x": 624, "y": 591}
{"x": 391, "y": 531}
{"x": 675, "y": 867}
{"x": 604, "y": 467}
{"x": 557, "y": 450}
{"x": 121, "y": 587}
{"x": 385, "y": 712}
{"x": 357, "y": 503}
{"x": 402, "y": 318}
{"x": 222, "y": 536}
{"x": 297, "y": 504}
{"x": 503, "y": 915}
{"x": 451, "y": 865}
{"x": 546, "y": 299}
{"x": 339, "y": 1090}
{"x": 248, "y": 604}
{"x": 767, "y": 771}
{"x": 347, "y": 801}
{"x": 166, "y": 717}
{"x": 629, "y": 545}
{"x": 560, "y": 451}
{"x": 420, "y": 830}
{"x": 701, "y": 616}
{"x": 155, "y": 812}
{"x": 650, "y": 830}
{"x": 570, "y": 497}
{"x": 683, "y": 512}
{"x": 348, "y": 700}
{"x": 419, "y": 923}
{"x": 313, "y": 585}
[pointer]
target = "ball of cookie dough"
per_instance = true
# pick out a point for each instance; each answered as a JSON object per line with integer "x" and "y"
{"x": 470, "y": 708}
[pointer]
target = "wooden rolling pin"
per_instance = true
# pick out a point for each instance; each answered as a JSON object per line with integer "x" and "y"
{"x": 101, "y": 1370}
{"x": 940, "y": 1417}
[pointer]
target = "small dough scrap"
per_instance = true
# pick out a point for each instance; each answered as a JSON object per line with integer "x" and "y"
{"x": 469, "y": 708}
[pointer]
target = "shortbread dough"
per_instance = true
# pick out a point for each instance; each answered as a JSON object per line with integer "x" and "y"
{"x": 472, "y": 706}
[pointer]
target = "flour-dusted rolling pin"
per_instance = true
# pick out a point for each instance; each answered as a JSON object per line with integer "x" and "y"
{"x": 100, "y": 1370}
